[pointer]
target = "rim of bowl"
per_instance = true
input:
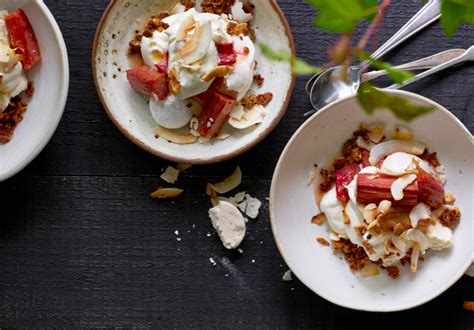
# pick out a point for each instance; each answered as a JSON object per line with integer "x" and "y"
{"x": 64, "y": 89}
{"x": 212, "y": 160}
{"x": 276, "y": 234}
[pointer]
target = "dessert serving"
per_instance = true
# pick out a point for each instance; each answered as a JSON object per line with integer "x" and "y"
{"x": 385, "y": 203}
{"x": 198, "y": 67}
{"x": 19, "y": 52}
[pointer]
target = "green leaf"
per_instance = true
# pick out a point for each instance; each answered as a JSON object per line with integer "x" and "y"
{"x": 455, "y": 12}
{"x": 299, "y": 67}
{"x": 342, "y": 16}
{"x": 372, "y": 98}
{"x": 398, "y": 76}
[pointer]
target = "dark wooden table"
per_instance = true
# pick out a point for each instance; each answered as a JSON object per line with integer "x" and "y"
{"x": 81, "y": 244}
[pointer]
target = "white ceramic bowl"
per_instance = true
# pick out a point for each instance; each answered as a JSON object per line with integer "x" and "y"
{"x": 129, "y": 111}
{"x": 51, "y": 79}
{"x": 292, "y": 205}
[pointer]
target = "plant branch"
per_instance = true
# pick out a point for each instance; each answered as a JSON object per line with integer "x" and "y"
{"x": 373, "y": 26}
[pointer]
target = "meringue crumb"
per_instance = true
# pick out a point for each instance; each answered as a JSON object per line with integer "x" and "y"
{"x": 287, "y": 277}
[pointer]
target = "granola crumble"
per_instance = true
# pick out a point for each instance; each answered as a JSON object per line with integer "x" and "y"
{"x": 10, "y": 118}
{"x": 261, "y": 99}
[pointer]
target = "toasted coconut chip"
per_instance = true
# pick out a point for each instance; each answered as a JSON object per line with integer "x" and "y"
{"x": 415, "y": 253}
{"x": 183, "y": 167}
{"x": 400, "y": 184}
{"x": 195, "y": 107}
{"x": 370, "y": 213}
{"x": 210, "y": 191}
{"x": 391, "y": 247}
{"x": 402, "y": 133}
{"x": 363, "y": 144}
{"x": 173, "y": 136}
{"x": 419, "y": 238}
{"x": 369, "y": 170}
{"x": 250, "y": 118}
{"x": 401, "y": 163}
{"x": 334, "y": 237}
{"x": 218, "y": 71}
{"x": 185, "y": 27}
{"x": 216, "y": 200}
{"x": 322, "y": 241}
{"x": 419, "y": 212}
{"x": 399, "y": 243}
{"x": 376, "y": 133}
{"x": 372, "y": 225}
{"x": 170, "y": 175}
{"x": 162, "y": 193}
{"x": 383, "y": 207}
{"x": 369, "y": 270}
{"x": 389, "y": 147}
{"x": 228, "y": 184}
{"x": 198, "y": 44}
{"x": 319, "y": 219}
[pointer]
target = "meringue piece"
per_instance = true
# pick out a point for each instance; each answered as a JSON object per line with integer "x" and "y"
{"x": 229, "y": 224}
{"x": 239, "y": 14}
{"x": 400, "y": 184}
{"x": 419, "y": 212}
{"x": 171, "y": 113}
{"x": 389, "y": 147}
{"x": 440, "y": 237}
{"x": 250, "y": 118}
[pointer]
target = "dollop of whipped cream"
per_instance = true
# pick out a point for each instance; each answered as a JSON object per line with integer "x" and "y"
{"x": 12, "y": 77}
{"x": 190, "y": 41}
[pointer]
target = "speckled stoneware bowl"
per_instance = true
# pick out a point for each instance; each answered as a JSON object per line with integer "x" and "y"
{"x": 129, "y": 111}
{"x": 51, "y": 79}
{"x": 292, "y": 205}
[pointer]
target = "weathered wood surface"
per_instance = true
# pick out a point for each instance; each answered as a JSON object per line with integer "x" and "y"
{"x": 81, "y": 244}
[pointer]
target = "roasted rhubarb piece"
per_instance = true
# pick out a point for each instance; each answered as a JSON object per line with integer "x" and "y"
{"x": 343, "y": 177}
{"x": 431, "y": 192}
{"x": 203, "y": 98}
{"x": 365, "y": 157}
{"x": 22, "y": 38}
{"x": 226, "y": 54}
{"x": 216, "y": 111}
{"x": 374, "y": 188}
{"x": 148, "y": 81}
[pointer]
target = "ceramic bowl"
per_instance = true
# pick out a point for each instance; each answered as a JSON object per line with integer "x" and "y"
{"x": 129, "y": 111}
{"x": 51, "y": 79}
{"x": 292, "y": 205}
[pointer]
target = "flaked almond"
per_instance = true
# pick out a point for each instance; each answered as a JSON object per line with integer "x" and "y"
{"x": 415, "y": 253}
{"x": 163, "y": 193}
{"x": 218, "y": 71}
{"x": 391, "y": 247}
{"x": 173, "y": 136}
{"x": 369, "y": 270}
{"x": 319, "y": 219}
{"x": 368, "y": 247}
{"x": 229, "y": 183}
{"x": 383, "y": 207}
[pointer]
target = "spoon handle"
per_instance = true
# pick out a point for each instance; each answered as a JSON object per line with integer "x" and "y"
{"x": 467, "y": 56}
{"x": 427, "y": 15}
{"x": 422, "y": 64}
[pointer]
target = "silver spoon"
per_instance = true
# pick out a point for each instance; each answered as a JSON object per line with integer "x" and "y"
{"x": 328, "y": 87}
{"x": 467, "y": 56}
